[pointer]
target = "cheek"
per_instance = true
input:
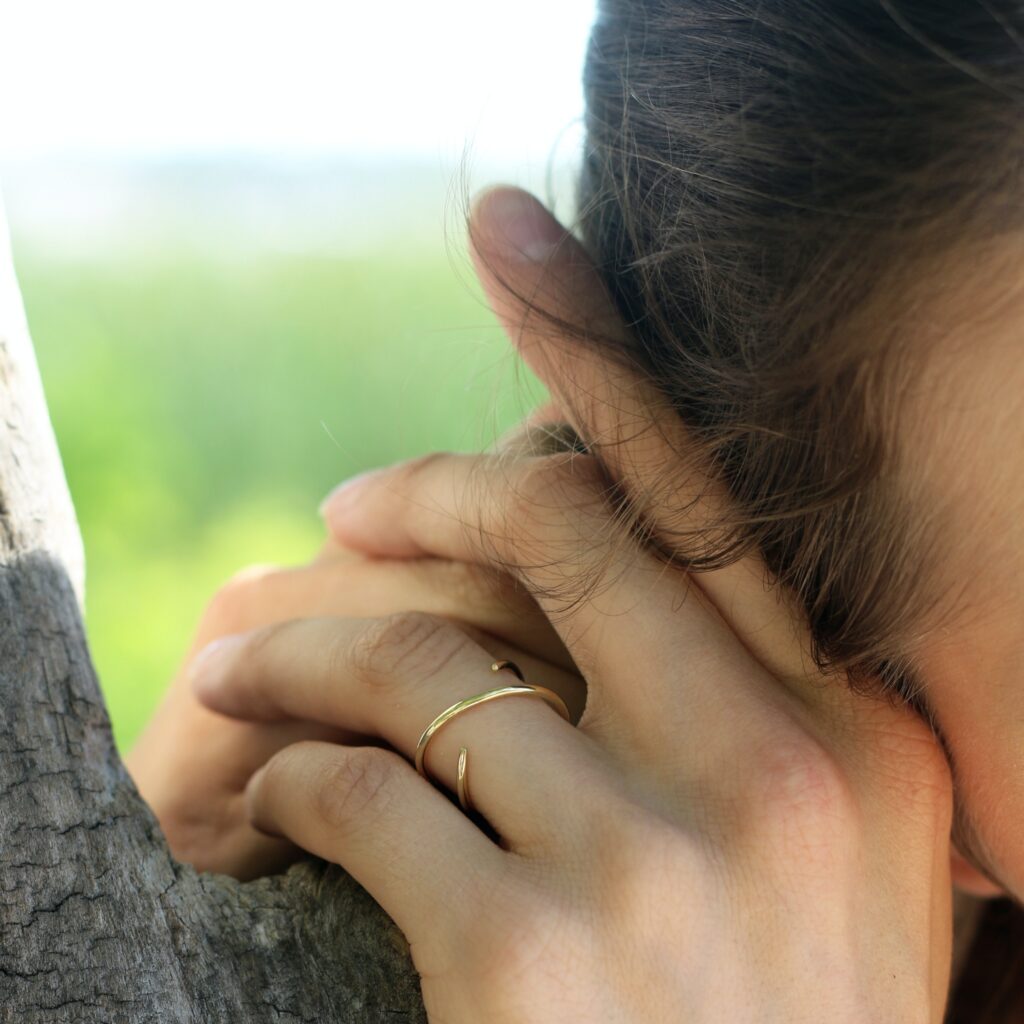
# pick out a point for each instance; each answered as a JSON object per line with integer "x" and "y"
{"x": 969, "y": 880}
{"x": 980, "y": 710}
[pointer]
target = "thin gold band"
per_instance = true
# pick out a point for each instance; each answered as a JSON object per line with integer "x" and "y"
{"x": 549, "y": 696}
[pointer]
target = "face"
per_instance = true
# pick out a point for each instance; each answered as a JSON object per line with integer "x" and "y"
{"x": 967, "y": 450}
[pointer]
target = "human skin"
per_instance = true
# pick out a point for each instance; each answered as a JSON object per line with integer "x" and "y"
{"x": 416, "y": 510}
{"x": 963, "y": 441}
{"x": 758, "y": 631}
{"x": 961, "y": 418}
{"x": 962, "y": 428}
{"x": 719, "y": 842}
{"x": 192, "y": 765}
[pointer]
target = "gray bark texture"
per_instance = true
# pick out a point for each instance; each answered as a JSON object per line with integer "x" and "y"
{"x": 97, "y": 921}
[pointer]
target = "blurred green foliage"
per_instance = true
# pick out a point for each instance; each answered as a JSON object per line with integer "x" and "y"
{"x": 205, "y": 404}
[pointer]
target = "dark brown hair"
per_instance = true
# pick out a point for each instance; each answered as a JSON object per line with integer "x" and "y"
{"x": 765, "y": 185}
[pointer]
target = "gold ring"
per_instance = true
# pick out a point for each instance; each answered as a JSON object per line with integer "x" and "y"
{"x": 549, "y": 696}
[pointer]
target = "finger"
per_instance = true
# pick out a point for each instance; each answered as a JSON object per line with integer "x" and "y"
{"x": 615, "y": 606}
{"x": 333, "y": 550}
{"x": 555, "y": 307}
{"x": 236, "y": 748}
{"x": 366, "y": 809}
{"x": 241, "y": 747}
{"x": 481, "y": 598}
{"x": 543, "y": 432}
{"x": 390, "y": 678}
{"x": 202, "y": 819}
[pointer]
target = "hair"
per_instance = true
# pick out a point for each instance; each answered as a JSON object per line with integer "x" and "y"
{"x": 768, "y": 190}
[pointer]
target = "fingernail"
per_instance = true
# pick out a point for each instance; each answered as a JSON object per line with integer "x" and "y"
{"x": 520, "y": 225}
{"x": 344, "y": 496}
{"x": 208, "y": 665}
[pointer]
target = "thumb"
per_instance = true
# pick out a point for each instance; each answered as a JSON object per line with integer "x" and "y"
{"x": 544, "y": 290}
{"x": 554, "y": 306}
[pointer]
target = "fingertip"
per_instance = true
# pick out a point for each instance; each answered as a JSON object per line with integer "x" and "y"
{"x": 346, "y": 495}
{"x": 342, "y": 518}
{"x": 514, "y": 226}
{"x": 542, "y": 286}
{"x": 366, "y": 514}
{"x": 252, "y": 786}
{"x": 208, "y": 667}
{"x": 372, "y": 537}
{"x": 253, "y": 806}
{"x": 222, "y": 679}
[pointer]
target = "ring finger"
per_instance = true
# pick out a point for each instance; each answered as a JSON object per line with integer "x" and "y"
{"x": 393, "y": 676}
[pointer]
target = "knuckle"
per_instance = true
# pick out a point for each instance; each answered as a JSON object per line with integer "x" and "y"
{"x": 424, "y": 462}
{"x": 465, "y": 586}
{"x": 279, "y": 772}
{"x": 353, "y": 789}
{"x": 224, "y": 611}
{"x": 802, "y": 804}
{"x": 546, "y": 499}
{"x": 235, "y": 604}
{"x": 410, "y": 471}
{"x": 554, "y": 481}
{"x": 801, "y": 772}
{"x": 406, "y": 643}
{"x": 483, "y": 598}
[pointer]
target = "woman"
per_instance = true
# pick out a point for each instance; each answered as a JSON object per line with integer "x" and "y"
{"x": 807, "y": 216}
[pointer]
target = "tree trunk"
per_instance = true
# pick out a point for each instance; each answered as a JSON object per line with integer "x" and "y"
{"x": 97, "y": 921}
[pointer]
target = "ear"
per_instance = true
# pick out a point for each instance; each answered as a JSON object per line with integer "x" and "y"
{"x": 969, "y": 879}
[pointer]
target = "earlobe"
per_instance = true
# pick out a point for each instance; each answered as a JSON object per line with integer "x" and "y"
{"x": 969, "y": 879}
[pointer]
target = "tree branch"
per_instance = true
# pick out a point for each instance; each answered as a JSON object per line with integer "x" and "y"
{"x": 97, "y": 921}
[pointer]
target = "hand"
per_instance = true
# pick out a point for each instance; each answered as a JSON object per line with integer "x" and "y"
{"x": 705, "y": 846}
{"x": 728, "y": 834}
{"x": 191, "y": 765}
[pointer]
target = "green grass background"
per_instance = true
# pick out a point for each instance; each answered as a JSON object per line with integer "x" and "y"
{"x": 205, "y": 403}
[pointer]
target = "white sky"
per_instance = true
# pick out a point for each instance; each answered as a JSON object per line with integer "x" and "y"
{"x": 291, "y": 77}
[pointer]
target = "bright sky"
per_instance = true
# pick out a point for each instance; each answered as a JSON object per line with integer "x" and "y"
{"x": 302, "y": 77}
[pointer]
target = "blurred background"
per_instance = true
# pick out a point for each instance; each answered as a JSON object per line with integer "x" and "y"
{"x": 238, "y": 229}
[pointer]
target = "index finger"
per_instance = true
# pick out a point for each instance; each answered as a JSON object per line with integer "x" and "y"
{"x": 633, "y": 628}
{"x": 555, "y": 307}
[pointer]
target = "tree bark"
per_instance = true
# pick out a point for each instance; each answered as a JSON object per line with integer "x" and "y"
{"x": 97, "y": 921}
